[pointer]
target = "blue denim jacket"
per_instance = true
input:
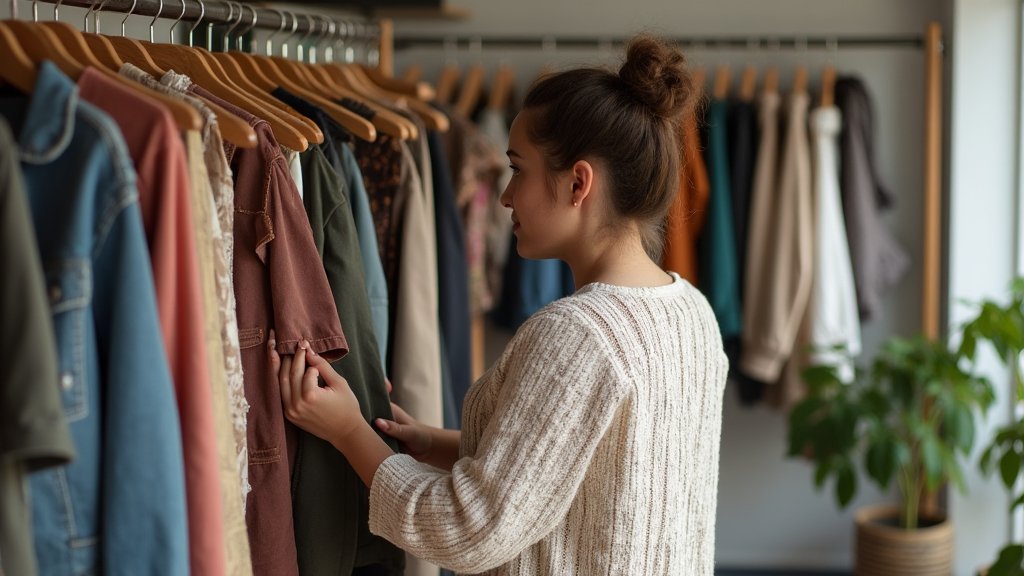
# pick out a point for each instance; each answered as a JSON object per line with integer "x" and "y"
{"x": 119, "y": 507}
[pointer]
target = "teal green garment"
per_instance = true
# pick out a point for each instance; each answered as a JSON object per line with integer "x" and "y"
{"x": 719, "y": 265}
{"x": 330, "y": 503}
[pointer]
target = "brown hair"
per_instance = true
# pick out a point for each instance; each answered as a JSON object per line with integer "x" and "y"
{"x": 630, "y": 121}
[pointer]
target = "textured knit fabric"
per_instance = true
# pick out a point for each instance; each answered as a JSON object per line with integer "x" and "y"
{"x": 834, "y": 316}
{"x": 591, "y": 447}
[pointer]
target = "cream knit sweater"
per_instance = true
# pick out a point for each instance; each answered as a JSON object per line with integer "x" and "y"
{"x": 589, "y": 448}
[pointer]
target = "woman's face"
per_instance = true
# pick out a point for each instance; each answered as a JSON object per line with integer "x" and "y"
{"x": 538, "y": 214}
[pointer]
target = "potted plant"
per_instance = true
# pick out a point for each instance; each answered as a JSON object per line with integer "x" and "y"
{"x": 907, "y": 419}
{"x": 1002, "y": 326}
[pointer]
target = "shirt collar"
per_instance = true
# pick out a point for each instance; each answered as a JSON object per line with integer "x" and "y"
{"x": 50, "y": 118}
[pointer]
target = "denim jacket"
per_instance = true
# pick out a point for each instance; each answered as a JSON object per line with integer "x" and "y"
{"x": 119, "y": 507}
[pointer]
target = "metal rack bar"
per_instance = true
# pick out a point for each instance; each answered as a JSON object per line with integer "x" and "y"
{"x": 217, "y": 12}
{"x": 915, "y": 41}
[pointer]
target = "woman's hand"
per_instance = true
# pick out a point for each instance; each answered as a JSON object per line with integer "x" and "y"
{"x": 414, "y": 437}
{"x": 331, "y": 412}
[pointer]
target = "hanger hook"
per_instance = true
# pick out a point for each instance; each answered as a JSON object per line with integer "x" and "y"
{"x": 291, "y": 34}
{"x": 304, "y": 37}
{"x": 56, "y": 6}
{"x": 332, "y": 27}
{"x": 231, "y": 25}
{"x": 252, "y": 26}
{"x": 130, "y": 10}
{"x": 159, "y": 11}
{"x": 202, "y": 13}
{"x": 35, "y": 11}
{"x": 96, "y": 16}
{"x": 170, "y": 31}
{"x": 270, "y": 38}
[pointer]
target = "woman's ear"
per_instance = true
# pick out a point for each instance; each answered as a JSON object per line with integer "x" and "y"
{"x": 582, "y": 181}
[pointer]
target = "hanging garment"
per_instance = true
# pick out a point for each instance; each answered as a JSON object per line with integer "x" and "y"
{"x": 453, "y": 283}
{"x": 719, "y": 268}
{"x": 125, "y": 487}
{"x": 494, "y": 128}
{"x": 294, "y": 168}
{"x": 33, "y": 433}
{"x": 609, "y": 401}
{"x": 779, "y": 247}
{"x": 878, "y": 260}
{"x": 796, "y": 191}
{"x": 834, "y": 316}
{"x": 330, "y": 501}
{"x": 279, "y": 283}
{"x": 208, "y": 236}
{"x": 224, "y": 197}
{"x": 686, "y": 216}
{"x": 158, "y": 155}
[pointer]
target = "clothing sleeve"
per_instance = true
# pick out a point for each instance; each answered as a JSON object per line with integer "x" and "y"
{"x": 561, "y": 390}
{"x": 302, "y": 299}
{"x": 144, "y": 528}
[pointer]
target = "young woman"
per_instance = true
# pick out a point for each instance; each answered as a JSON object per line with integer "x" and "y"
{"x": 591, "y": 446}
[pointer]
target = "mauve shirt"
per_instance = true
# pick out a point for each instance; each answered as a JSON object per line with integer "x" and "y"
{"x": 280, "y": 283}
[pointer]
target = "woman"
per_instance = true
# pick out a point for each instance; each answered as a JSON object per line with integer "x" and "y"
{"x": 591, "y": 446}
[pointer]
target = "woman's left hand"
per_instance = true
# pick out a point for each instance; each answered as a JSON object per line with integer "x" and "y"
{"x": 331, "y": 412}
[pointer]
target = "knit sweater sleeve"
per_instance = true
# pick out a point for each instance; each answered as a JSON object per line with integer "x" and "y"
{"x": 561, "y": 387}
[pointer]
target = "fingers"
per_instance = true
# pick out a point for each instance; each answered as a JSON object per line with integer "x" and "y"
{"x": 309, "y": 383}
{"x": 394, "y": 429}
{"x": 401, "y": 416}
{"x": 387, "y": 384}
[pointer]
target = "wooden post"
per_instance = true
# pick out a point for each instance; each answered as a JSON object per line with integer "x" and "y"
{"x": 386, "y": 64}
{"x": 932, "y": 199}
{"x": 932, "y": 263}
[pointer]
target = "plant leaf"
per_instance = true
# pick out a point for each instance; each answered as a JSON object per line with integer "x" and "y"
{"x": 1009, "y": 562}
{"x": 1009, "y": 467}
{"x": 931, "y": 455}
{"x": 846, "y": 485}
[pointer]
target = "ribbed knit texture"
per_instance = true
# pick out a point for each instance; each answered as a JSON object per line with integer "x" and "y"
{"x": 591, "y": 447}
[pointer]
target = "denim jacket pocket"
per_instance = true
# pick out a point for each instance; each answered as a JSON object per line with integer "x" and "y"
{"x": 249, "y": 337}
{"x": 69, "y": 288}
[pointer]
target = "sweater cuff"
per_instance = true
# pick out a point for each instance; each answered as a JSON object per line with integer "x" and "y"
{"x": 386, "y": 506}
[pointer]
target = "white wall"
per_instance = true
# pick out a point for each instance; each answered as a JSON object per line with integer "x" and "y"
{"x": 983, "y": 222}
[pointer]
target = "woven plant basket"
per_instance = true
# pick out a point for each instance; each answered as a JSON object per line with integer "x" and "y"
{"x": 885, "y": 549}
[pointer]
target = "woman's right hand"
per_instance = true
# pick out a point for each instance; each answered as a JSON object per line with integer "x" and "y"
{"x": 414, "y": 437}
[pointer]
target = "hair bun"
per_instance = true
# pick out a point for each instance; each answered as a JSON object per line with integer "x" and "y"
{"x": 655, "y": 73}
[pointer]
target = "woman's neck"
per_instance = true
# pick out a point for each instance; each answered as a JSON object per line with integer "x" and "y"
{"x": 616, "y": 261}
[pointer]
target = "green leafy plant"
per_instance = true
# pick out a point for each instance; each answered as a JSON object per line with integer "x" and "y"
{"x": 909, "y": 418}
{"x": 1002, "y": 326}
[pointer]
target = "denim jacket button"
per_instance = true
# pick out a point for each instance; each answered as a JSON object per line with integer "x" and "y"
{"x": 66, "y": 380}
{"x": 55, "y": 293}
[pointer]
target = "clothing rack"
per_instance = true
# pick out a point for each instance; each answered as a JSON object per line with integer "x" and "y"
{"x": 407, "y": 41}
{"x": 286, "y": 21}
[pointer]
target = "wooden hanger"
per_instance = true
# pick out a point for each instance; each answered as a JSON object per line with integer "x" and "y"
{"x": 344, "y": 78}
{"x": 16, "y": 67}
{"x": 472, "y": 87}
{"x": 723, "y": 77}
{"x": 800, "y": 80}
{"x": 446, "y": 83}
{"x": 501, "y": 89}
{"x": 748, "y": 84}
{"x": 828, "y": 86}
{"x": 413, "y": 74}
{"x": 699, "y": 80}
{"x": 104, "y": 50}
{"x": 354, "y": 123}
{"x": 771, "y": 80}
{"x": 414, "y": 88}
{"x": 186, "y": 60}
{"x": 41, "y": 46}
{"x": 135, "y": 51}
{"x": 307, "y": 127}
{"x": 433, "y": 118}
{"x": 185, "y": 117}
